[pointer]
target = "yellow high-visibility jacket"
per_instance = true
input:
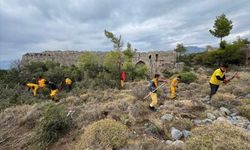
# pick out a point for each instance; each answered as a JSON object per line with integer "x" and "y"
{"x": 213, "y": 79}
{"x": 68, "y": 81}
{"x": 41, "y": 83}
{"x": 174, "y": 82}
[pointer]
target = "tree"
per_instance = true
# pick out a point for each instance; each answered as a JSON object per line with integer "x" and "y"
{"x": 129, "y": 53}
{"x": 180, "y": 49}
{"x": 118, "y": 44}
{"x": 222, "y": 27}
{"x": 89, "y": 63}
{"x": 117, "y": 41}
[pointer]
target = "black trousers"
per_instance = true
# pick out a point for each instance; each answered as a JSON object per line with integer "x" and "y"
{"x": 214, "y": 89}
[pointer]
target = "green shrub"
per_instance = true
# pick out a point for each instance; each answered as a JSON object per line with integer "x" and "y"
{"x": 188, "y": 77}
{"x": 245, "y": 111}
{"x": 55, "y": 123}
{"x": 219, "y": 136}
{"x": 167, "y": 74}
{"x": 105, "y": 133}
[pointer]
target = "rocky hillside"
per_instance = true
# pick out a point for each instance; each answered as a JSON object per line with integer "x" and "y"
{"x": 120, "y": 119}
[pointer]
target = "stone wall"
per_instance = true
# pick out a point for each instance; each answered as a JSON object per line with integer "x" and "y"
{"x": 156, "y": 61}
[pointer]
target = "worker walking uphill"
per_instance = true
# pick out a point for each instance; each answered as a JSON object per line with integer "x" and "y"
{"x": 216, "y": 78}
{"x": 68, "y": 83}
{"x": 123, "y": 78}
{"x": 174, "y": 86}
{"x": 33, "y": 87}
{"x": 53, "y": 90}
{"x": 153, "y": 91}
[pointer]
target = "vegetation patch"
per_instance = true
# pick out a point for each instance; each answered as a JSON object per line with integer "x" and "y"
{"x": 55, "y": 124}
{"x": 217, "y": 137}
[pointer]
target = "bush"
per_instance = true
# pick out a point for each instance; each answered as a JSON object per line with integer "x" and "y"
{"x": 54, "y": 125}
{"x": 219, "y": 136}
{"x": 103, "y": 134}
{"x": 167, "y": 74}
{"x": 188, "y": 77}
{"x": 245, "y": 111}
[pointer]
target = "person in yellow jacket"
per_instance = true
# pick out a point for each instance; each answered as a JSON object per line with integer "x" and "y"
{"x": 32, "y": 86}
{"x": 68, "y": 83}
{"x": 53, "y": 90}
{"x": 154, "y": 83}
{"x": 41, "y": 82}
{"x": 216, "y": 78}
{"x": 174, "y": 86}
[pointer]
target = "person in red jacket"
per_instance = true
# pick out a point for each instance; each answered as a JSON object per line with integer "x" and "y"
{"x": 123, "y": 78}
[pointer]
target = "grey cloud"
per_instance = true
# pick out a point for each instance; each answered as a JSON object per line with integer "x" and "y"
{"x": 37, "y": 25}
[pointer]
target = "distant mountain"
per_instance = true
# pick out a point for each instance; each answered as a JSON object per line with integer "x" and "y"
{"x": 5, "y": 64}
{"x": 195, "y": 49}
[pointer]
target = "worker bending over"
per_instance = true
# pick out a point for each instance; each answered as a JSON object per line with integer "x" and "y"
{"x": 154, "y": 83}
{"x": 216, "y": 78}
{"x": 33, "y": 87}
{"x": 53, "y": 90}
{"x": 174, "y": 86}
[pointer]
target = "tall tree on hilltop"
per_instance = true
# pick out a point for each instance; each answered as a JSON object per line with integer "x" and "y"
{"x": 222, "y": 27}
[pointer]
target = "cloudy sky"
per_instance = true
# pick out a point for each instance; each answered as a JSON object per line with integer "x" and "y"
{"x": 38, "y": 25}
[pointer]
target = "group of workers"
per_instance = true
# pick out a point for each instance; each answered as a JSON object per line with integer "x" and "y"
{"x": 42, "y": 83}
{"x": 217, "y": 77}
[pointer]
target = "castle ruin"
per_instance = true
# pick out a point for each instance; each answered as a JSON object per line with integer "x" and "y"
{"x": 156, "y": 61}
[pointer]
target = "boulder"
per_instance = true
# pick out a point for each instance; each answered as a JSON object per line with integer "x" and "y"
{"x": 186, "y": 133}
{"x": 176, "y": 134}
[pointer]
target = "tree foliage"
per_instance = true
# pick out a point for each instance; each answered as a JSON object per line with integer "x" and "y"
{"x": 222, "y": 27}
{"x": 180, "y": 49}
{"x": 117, "y": 41}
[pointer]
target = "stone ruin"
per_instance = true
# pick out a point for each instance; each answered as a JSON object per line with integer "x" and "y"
{"x": 156, "y": 61}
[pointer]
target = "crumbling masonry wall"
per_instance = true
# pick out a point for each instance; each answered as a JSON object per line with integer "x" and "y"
{"x": 156, "y": 61}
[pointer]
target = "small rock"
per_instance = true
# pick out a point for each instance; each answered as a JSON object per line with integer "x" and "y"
{"x": 205, "y": 99}
{"x": 197, "y": 122}
{"x": 225, "y": 111}
{"x": 146, "y": 125}
{"x": 178, "y": 143}
{"x": 169, "y": 142}
{"x": 176, "y": 134}
{"x": 221, "y": 120}
{"x": 207, "y": 121}
{"x": 211, "y": 116}
{"x": 233, "y": 114}
{"x": 247, "y": 96}
{"x": 167, "y": 117}
{"x": 218, "y": 113}
{"x": 248, "y": 128}
{"x": 186, "y": 133}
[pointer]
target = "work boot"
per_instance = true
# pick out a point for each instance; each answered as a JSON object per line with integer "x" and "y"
{"x": 152, "y": 108}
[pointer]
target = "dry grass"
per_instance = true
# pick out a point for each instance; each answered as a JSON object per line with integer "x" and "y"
{"x": 245, "y": 111}
{"x": 219, "y": 136}
{"x": 104, "y": 134}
